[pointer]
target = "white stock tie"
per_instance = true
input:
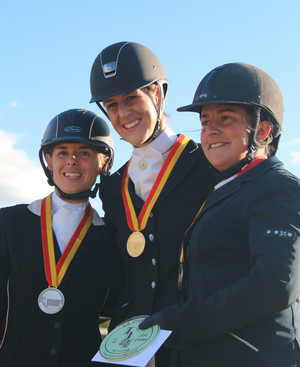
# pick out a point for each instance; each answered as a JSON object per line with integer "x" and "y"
{"x": 64, "y": 223}
{"x": 143, "y": 170}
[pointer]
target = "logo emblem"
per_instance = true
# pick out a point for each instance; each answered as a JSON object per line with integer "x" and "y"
{"x": 73, "y": 129}
{"x": 127, "y": 340}
{"x": 109, "y": 69}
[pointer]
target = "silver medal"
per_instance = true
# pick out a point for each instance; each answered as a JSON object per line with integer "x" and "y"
{"x": 51, "y": 300}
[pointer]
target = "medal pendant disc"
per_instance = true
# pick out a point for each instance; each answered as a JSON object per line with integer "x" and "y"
{"x": 51, "y": 300}
{"x": 136, "y": 244}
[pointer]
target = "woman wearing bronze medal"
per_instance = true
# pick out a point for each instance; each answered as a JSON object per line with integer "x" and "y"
{"x": 57, "y": 257}
{"x": 152, "y": 199}
{"x": 241, "y": 255}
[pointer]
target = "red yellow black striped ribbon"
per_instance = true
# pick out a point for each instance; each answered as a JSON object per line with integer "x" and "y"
{"x": 138, "y": 224}
{"x": 55, "y": 273}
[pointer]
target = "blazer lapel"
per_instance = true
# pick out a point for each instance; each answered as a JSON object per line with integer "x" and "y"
{"x": 35, "y": 228}
{"x": 136, "y": 200}
{"x": 221, "y": 194}
{"x": 183, "y": 166}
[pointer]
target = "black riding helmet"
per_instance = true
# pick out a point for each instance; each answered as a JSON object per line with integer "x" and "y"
{"x": 124, "y": 67}
{"x": 245, "y": 85}
{"x": 78, "y": 126}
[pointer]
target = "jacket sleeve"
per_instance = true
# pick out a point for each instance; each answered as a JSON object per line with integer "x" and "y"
{"x": 272, "y": 284}
{"x": 4, "y": 274}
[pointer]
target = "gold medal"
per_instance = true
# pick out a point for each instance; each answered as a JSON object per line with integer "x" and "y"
{"x": 136, "y": 244}
{"x": 136, "y": 241}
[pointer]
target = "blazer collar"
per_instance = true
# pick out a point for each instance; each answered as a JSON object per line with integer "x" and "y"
{"x": 36, "y": 232}
{"x": 236, "y": 184}
{"x": 35, "y": 208}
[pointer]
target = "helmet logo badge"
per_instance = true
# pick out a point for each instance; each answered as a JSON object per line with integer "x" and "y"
{"x": 203, "y": 95}
{"x": 109, "y": 69}
{"x": 73, "y": 129}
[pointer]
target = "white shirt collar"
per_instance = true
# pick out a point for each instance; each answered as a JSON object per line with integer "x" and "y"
{"x": 56, "y": 203}
{"x": 163, "y": 143}
{"x": 224, "y": 182}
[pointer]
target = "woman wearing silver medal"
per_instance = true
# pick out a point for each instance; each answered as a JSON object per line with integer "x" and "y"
{"x": 57, "y": 258}
{"x": 241, "y": 256}
{"x": 152, "y": 199}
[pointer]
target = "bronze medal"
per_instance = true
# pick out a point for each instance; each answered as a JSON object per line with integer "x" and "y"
{"x": 136, "y": 244}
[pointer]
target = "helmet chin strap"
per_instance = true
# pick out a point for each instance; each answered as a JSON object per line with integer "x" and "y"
{"x": 159, "y": 117}
{"x": 252, "y": 146}
{"x": 220, "y": 176}
{"x": 82, "y": 195}
{"x": 85, "y": 194}
{"x": 102, "y": 109}
{"x": 158, "y": 121}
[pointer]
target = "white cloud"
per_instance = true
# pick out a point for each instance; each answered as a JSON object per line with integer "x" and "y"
{"x": 22, "y": 180}
{"x": 14, "y": 104}
{"x": 293, "y": 142}
{"x": 295, "y": 158}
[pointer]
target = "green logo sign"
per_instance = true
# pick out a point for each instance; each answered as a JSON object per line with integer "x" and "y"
{"x": 127, "y": 340}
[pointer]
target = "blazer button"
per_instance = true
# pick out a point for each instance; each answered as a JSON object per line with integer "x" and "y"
{"x": 153, "y": 285}
{"x": 57, "y": 325}
{"x": 151, "y": 237}
{"x": 54, "y": 352}
{"x": 153, "y": 262}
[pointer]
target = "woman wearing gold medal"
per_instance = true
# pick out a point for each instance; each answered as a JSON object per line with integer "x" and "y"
{"x": 57, "y": 258}
{"x": 152, "y": 199}
{"x": 241, "y": 256}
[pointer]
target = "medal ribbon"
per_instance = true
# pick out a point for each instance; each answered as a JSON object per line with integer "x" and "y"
{"x": 254, "y": 163}
{"x": 55, "y": 273}
{"x": 138, "y": 224}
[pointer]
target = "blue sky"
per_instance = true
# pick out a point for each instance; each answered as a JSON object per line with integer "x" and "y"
{"x": 48, "y": 47}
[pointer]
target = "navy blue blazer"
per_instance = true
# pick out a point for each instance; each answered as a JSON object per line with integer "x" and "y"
{"x": 150, "y": 280}
{"x": 70, "y": 337}
{"x": 242, "y": 276}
